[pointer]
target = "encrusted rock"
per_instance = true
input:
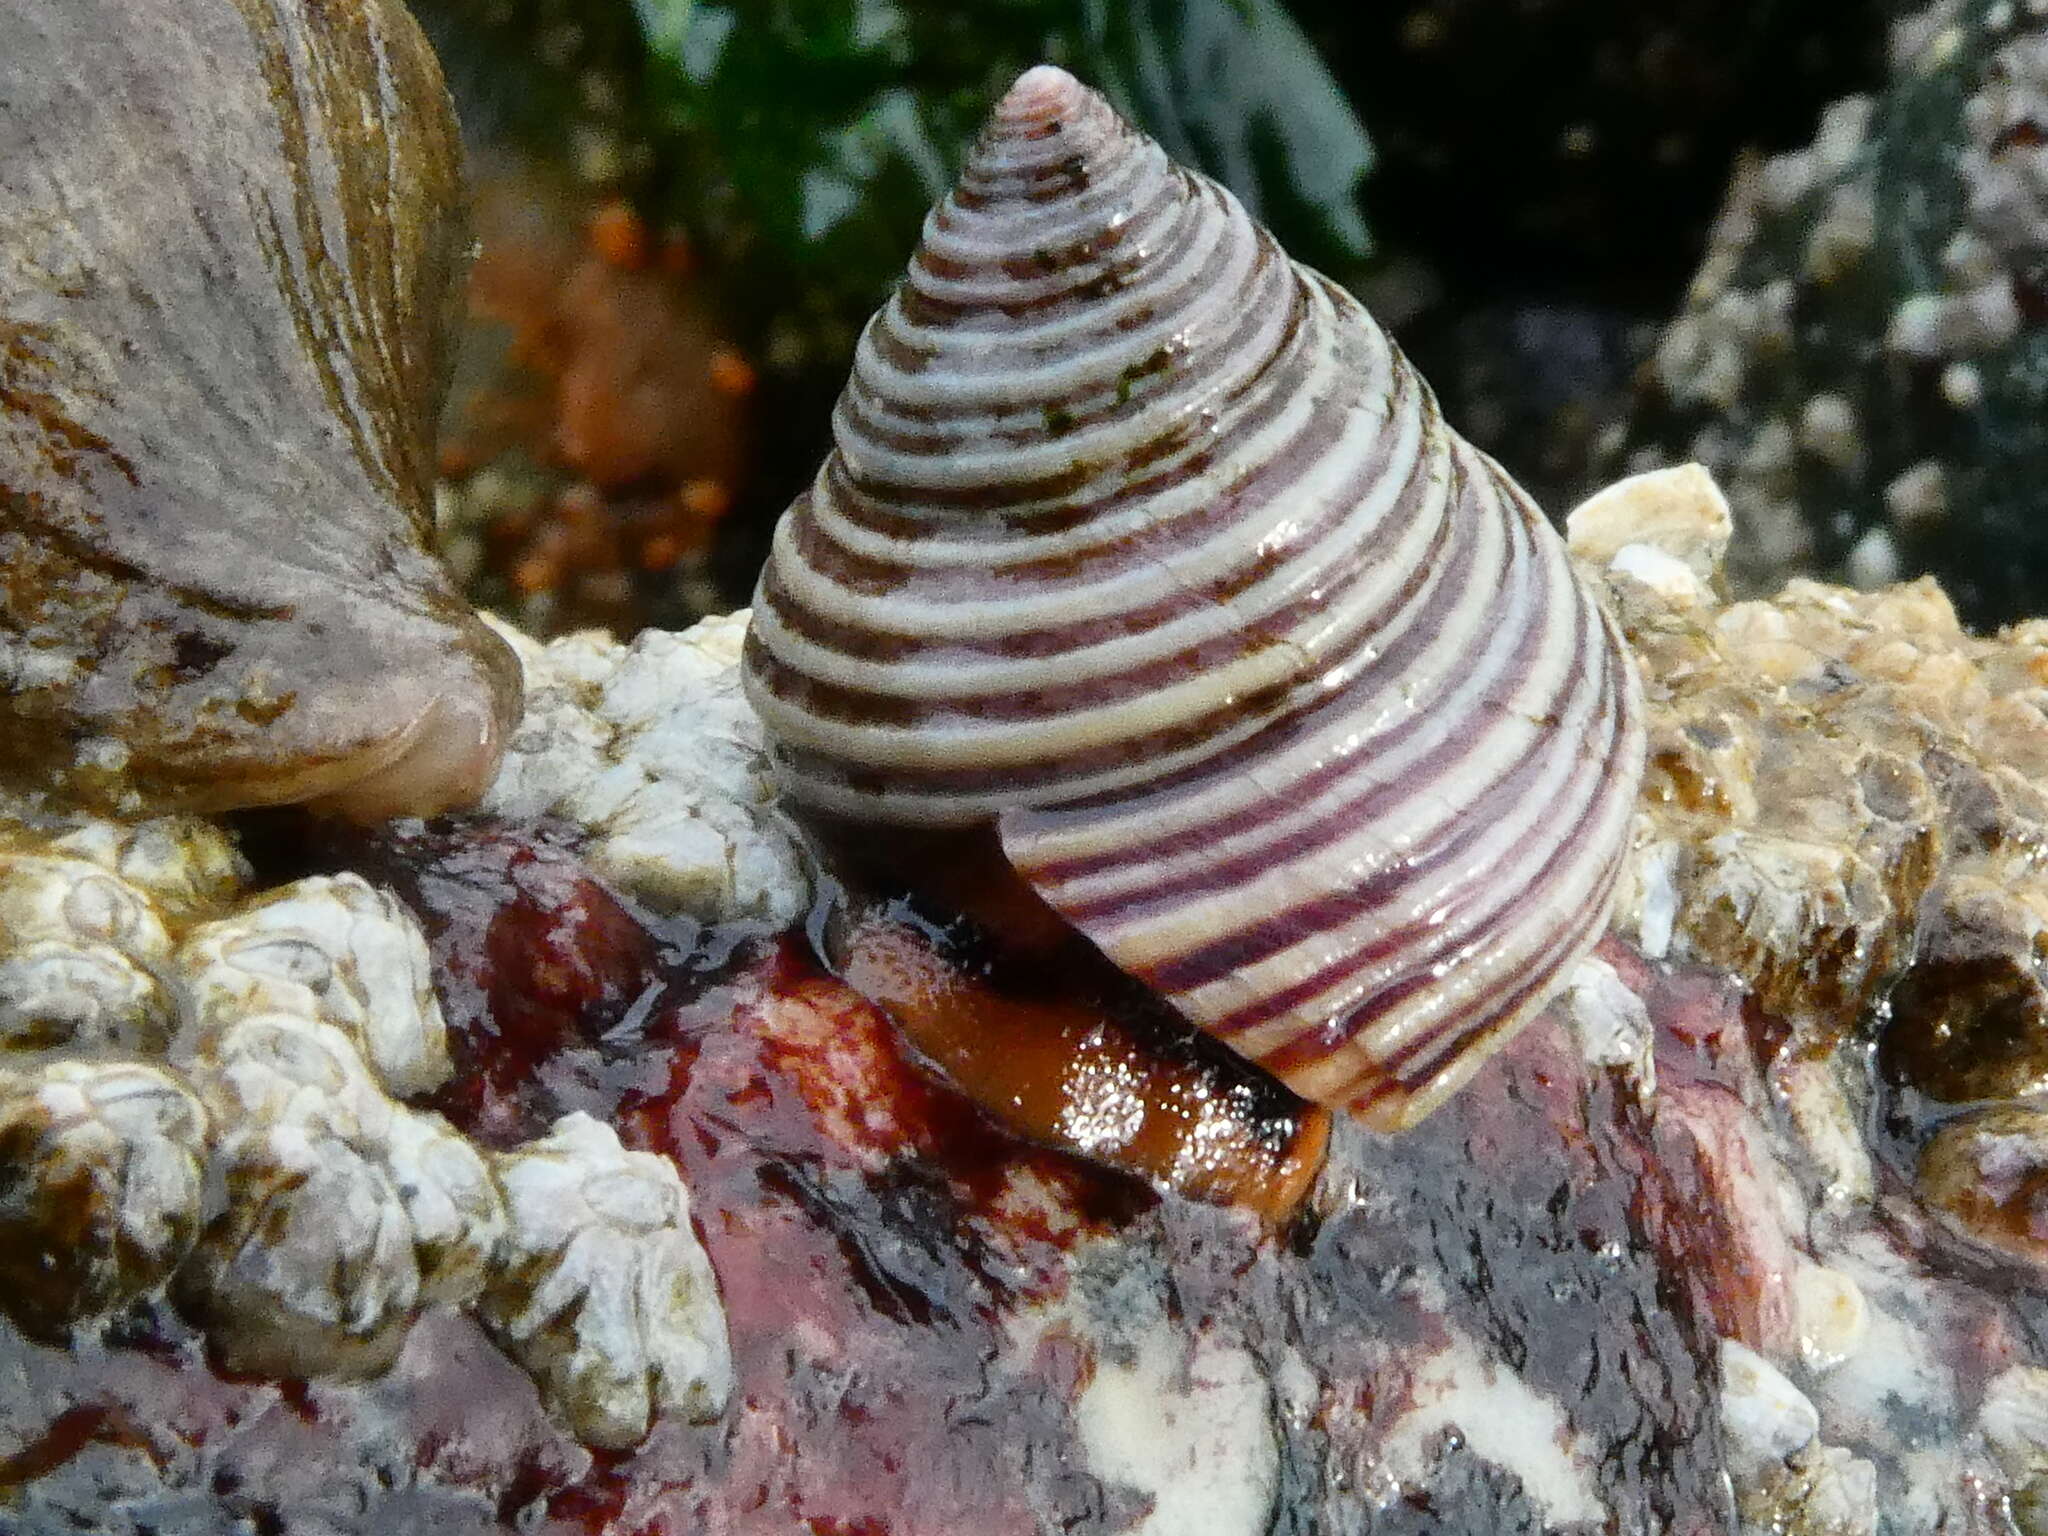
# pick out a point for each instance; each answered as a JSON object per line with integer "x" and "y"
{"x": 604, "y": 1295}
{"x": 1859, "y": 357}
{"x": 1844, "y": 816}
{"x": 1842, "y": 789}
{"x": 101, "y": 1175}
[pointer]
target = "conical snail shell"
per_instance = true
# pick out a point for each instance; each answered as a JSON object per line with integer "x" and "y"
{"x": 1144, "y": 541}
{"x": 228, "y": 233}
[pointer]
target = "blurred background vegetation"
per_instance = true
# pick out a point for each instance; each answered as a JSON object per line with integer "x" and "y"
{"x": 686, "y": 210}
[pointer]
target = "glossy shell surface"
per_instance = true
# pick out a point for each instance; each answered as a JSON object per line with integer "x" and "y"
{"x": 1144, "y": 541}
{"x": 229, "y": 231}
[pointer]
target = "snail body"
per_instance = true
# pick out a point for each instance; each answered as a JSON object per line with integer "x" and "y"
{"x": 229, "y": 231}
{"x": 1143, "y": 543}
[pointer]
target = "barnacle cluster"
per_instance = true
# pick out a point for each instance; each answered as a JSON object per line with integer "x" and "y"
{"x": 675, "y": 802}
{"x": 1844, "y": 809}
{"x": 203, "y": 1089}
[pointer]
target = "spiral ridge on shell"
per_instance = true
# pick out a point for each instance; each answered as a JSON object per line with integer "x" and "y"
{"x": 1145, "y": 542}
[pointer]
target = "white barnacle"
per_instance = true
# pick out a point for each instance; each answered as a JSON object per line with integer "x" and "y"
{"x": 188, "y": 867}
{"x": 651, "y": 748}
{"x": 332, "y": 948}
{"x": 604, "y": 1295}
{"x": 453, "y": 1201}
{"x": 101, "y": 1178}
{"x": 310, "y": 1269}
{"x": 345, "y": 1214}
{"x": 78, "y": 947}
{"x": 276, "y": 1067}
{"x": 77, "y": 995}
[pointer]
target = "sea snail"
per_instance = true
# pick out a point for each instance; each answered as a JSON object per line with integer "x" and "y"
{"x": 228, "y": 236}
{"x": 1142, "y": 545}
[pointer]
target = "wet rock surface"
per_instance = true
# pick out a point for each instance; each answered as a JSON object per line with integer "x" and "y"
{"x": 1739, "y": 1237}
{"x": 932, "y": 1323}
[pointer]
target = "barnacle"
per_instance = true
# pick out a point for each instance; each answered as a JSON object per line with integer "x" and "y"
{"x": 101, "y": 1178}
{"x": 605, "y": 1295}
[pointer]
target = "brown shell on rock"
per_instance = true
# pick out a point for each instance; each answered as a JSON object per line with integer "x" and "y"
{"x": 1145, "y": 543}
{"x": 229, "y": 231}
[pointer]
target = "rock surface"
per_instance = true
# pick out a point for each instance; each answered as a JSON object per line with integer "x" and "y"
{"x": 1860, "y": 356}
{"x": 1738, "y": 1238}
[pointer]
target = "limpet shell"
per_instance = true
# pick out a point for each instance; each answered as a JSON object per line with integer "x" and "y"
{"x": 228, "y": 234}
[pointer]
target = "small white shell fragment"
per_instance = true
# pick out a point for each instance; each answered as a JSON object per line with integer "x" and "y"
{"x": 1765, "y": 1417}
{"x": 1680, "y": 511}
{"x": 1664, "y": 574}
{"x": 604, "y": 1294}
{"x": 1647, "y": 902}
{"x": 651, "y": 748}
{"x": 332, "y": 948}
{"x": 102, "y": 1173}
{"x": 1611, "y": 1023}
{"x": 310, "y": 1269}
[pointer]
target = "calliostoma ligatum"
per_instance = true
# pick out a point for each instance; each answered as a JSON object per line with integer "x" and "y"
{"x": 1148, "y": 605}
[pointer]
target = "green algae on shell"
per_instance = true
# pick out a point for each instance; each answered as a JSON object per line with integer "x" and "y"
{"x": 229, "y": 231}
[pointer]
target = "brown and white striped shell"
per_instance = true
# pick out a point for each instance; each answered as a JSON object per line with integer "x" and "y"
{"x": 1144, "y": 541}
